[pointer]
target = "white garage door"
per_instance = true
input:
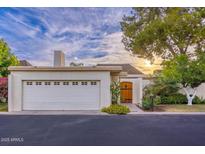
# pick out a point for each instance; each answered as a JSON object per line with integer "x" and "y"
{"x": 61, "y": 95}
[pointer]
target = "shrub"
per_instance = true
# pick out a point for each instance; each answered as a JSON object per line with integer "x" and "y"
{"x": 115, "y": 91}
{"x": 174, "y": 99}
{"x": 180, "y": 99}
{"x": 147, "y": 104}
{"x": 116, "y": 109}
{"x": 157, "y": 100}
{"x": 3, "y": 90}
{"x": 158, "y": 87}
{"x": 198, "y": 100}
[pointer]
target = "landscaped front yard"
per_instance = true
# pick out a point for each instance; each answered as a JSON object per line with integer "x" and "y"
{"x": 180, "y": 108}
{"x": 3, "y": 107}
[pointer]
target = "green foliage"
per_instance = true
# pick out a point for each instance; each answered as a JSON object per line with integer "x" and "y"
{"x": 185, "y": 71}
{"x": 116, "y": 109}
{"x": 147, "y": 104}
{"x": 159, "y": 87}
{"x": 180, "y": 99}
{"x": 3, "y": 107}
{"x": 6, "y": 59}
{"x": 165, "y": 32}
{"x": 174, "y": 99}
{"x": 157, "y": 100}
{"x": 198, "y": 100}
{"x": 176, "y": 72}
{"x": 115, "y": 91}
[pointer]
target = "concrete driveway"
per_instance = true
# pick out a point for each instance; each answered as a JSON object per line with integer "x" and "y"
{"x": 102, "y": 130}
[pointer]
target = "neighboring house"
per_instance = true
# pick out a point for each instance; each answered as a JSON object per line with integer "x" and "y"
{"x": 24, "y": 63}
{"x": 71, "y": 88}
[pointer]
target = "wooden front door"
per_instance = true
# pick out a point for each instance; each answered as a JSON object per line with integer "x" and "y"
{"x": 126, "y": 92}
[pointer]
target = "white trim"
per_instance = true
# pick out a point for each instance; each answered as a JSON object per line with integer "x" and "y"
{"x": 135, "y": 76}
{"x": 10, "y": 94}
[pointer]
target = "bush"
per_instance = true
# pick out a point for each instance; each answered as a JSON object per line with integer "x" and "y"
{"x": 147, "y": 104}
{"x": 180, "y": 99}
{"x": 157, "y": 100}
{"x": 198, "y": 100}
{"x": 116, "y": 109}
{"x": 174, "y": 99}
{"x": 3, "y": 89}
{"x": 115, "y": 91}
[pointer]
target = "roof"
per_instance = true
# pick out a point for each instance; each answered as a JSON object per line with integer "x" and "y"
{"x": 24, "y": 63}
{"x": 113, "y": 69}
{"x": 125, "y": 68}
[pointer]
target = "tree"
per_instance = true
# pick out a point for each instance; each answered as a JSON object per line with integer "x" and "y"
{"x": 164, "y": 32}
{"x": 76, "y": 64}
{"x": 158, "y": 87}
{"x": 187, "y": 73}
{"x": 6, "y": 59}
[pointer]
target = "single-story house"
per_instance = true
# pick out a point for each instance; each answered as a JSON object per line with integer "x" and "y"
{"x": 71, "y": 88}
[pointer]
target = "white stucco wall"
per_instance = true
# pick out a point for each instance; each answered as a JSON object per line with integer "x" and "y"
{"x": 136, "y": 89}
{"x": 139, "y": 84}
{"x": 15, "y": 84}
{"x": 200, "y": 91}
{"x": 145, "y": 82}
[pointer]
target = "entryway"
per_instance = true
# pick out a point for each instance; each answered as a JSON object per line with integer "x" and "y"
{"x": 126, "y": 92}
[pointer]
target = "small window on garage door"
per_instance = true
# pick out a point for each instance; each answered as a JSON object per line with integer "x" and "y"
{"x": 93, "y": 83}
{"x": 57, "y": 83}
{"x": 75, "y": 83}
{"x": 38, "y": 83}
{"x": 29, "y": 83}
{"x": 84, "y": 83}
{"x": 66, "y": 83}
{"x": 47, "y": 83}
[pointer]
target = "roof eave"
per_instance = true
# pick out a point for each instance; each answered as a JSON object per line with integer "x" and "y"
{"x": 43, "y": 68}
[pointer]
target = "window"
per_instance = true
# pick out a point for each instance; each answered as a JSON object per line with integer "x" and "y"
{"x": 29, "y": 83}
{"x": 56, "y": 83}
{"x": 75, "y": 83}
{"x": 38, "y": 83}
{"x": 47, "y": 83}
{"x": 84, "y": 83}
{"x": 65, "y": 83}
{"x": 93, "y": 83}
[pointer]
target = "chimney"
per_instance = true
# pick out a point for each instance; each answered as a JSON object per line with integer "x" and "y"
{"x": 59, "y": 58}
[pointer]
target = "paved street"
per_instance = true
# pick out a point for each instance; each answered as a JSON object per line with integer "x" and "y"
{"x": 102, "y": 130}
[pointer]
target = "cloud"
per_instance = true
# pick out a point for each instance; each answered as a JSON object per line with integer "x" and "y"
{"x": 91, "y": 34}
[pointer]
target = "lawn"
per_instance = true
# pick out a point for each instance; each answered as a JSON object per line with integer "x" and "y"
{"x": 180, "y": 108}
{"x": 3, "y": 107}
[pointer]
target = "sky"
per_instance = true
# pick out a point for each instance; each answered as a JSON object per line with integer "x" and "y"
{"x": 87, "y": 35}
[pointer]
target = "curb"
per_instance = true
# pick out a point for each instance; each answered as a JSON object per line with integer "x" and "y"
{"x": 101, "y": 113}
{"x": 167, "y": 113}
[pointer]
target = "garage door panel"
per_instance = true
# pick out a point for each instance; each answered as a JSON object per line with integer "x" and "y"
{"x": 61, "y": 97}
{"x": 59, "y": 106}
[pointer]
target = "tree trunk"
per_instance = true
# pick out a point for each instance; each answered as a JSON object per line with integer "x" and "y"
{"x": 190, "y": 99}
{"x": 190, "y": 95}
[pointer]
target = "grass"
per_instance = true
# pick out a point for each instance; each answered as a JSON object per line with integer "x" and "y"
{"x": 3, "y": 107}
{"x": 180, "y": 108}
